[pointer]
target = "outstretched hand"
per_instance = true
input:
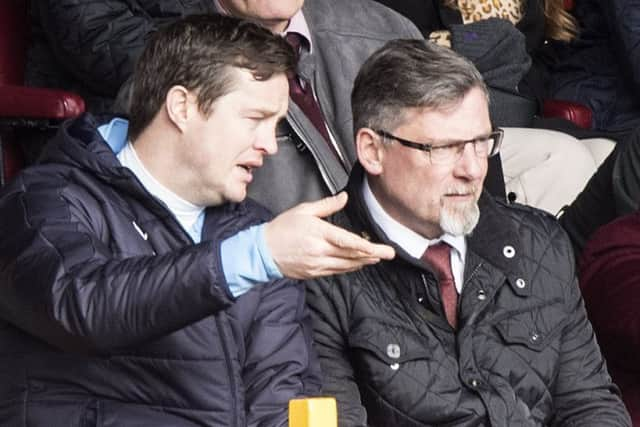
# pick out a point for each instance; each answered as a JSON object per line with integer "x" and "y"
{"x": 304, "y": 246}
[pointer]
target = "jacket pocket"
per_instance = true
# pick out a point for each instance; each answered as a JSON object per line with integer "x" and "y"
{"x": 61, "y": 414}
{"x": 408, "y": 371}
{"x": 534, "y": 328}
{"x": 388, "y": 356}
{"x": 521, "y": 358}
{"x": 55, "y": 406}
{"x": 389, "y": 343}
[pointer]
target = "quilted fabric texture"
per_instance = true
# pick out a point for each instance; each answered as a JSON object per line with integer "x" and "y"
{"x": 524, "y": 353}
{"x": 111, "y": 316}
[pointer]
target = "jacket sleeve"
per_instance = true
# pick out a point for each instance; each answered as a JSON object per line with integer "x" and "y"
{"x": 281, "y": 363}
{"x": 60, "y": 282}
{"x": 623, "y": 17}
{"x": 329, "y": 313}
{"x": 98, "y": 41}
{"x": 584, "y": 394}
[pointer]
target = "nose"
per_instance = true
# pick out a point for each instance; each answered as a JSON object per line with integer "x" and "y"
{"x": 470, "y": 166}
{"x": 267, "y": 142}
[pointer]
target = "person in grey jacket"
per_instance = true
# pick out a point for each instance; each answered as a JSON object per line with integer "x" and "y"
{"x": 478, "y": 321}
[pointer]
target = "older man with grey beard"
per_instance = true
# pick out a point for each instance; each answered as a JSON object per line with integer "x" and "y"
{"x": 478, "y": 321}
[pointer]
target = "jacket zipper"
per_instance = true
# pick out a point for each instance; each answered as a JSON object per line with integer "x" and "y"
{"x": 227, "y": 359}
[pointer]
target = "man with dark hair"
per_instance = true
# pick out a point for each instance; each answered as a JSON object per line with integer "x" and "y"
{"x": 137, "y": 286}
{"x": 478, "y": 321}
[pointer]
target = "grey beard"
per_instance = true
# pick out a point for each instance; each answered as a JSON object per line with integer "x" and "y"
{"x": 459, "y": 222}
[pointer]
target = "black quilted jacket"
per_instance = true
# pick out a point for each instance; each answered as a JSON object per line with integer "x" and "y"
{"x": 111, "y": 316}
{"x": 524, "y": 353}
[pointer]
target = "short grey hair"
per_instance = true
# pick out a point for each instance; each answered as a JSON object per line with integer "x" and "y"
{"x": 410, "y": 74}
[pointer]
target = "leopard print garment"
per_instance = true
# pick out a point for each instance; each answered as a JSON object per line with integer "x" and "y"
{"x": 475, "y": 10}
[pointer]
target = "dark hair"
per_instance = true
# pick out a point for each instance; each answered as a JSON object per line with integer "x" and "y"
{"x": 559, "y": 23}
{"x": 410, "y": 74}
{"x": 199, "y": 52}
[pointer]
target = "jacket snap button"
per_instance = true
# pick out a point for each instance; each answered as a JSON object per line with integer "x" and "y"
{"x": 482, "y": 295}
{"x": 521, "y": 283}
{"x": 535, "y": 337}
{"x": 395, "y": 366}
{"x": 474, "y": 383}
{"x": 508, "y": 251}
{"x": 393, "y": 351}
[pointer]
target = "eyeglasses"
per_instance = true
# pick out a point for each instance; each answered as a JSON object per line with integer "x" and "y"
{"x": 484, "y": 147}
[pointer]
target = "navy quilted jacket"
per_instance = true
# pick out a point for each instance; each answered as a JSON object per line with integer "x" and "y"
{"x": 524, "y": 353}
{"x": 111, "y": 316}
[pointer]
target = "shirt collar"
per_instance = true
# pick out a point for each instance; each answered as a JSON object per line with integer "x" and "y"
{"x": 412, "y": 243}
{"x": 297, "y": 24}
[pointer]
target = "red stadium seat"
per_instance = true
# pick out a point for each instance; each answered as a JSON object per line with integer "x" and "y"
{"x": 579, "y": 114}
{"x": 20, "y": 106}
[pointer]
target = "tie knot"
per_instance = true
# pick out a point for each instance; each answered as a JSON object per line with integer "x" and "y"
{"x": 438, "y": 256}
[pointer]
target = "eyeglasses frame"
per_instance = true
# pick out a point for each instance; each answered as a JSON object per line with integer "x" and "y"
{"x": 496, "y": 133}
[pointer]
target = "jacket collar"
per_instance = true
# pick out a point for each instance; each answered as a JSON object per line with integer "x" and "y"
{"x": 78, "y": 143}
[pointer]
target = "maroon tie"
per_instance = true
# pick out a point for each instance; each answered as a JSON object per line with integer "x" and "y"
{"x": 438, "y": 256}
{"x": 303, "y": 96}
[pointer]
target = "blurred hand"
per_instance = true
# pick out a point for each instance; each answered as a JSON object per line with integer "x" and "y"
{"x": 305, "y": 246}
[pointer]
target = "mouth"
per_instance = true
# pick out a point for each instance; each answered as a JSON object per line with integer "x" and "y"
{"x": 460, "y": 194}
{"x": 249, "y": 167}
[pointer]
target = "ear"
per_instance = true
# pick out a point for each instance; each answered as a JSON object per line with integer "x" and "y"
{"x": 370, "y": 150}
{"x": 178, "y": 106}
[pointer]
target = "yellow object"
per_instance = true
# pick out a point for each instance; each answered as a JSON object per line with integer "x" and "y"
{"x": 313, "y": 412}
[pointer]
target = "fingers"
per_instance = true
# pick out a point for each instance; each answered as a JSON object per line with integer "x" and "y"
{"x": 323, "y": 207}
{"x": 350, "y": 245}
{"x": 339, "y": 266}
{"x": 303, "y": 246}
